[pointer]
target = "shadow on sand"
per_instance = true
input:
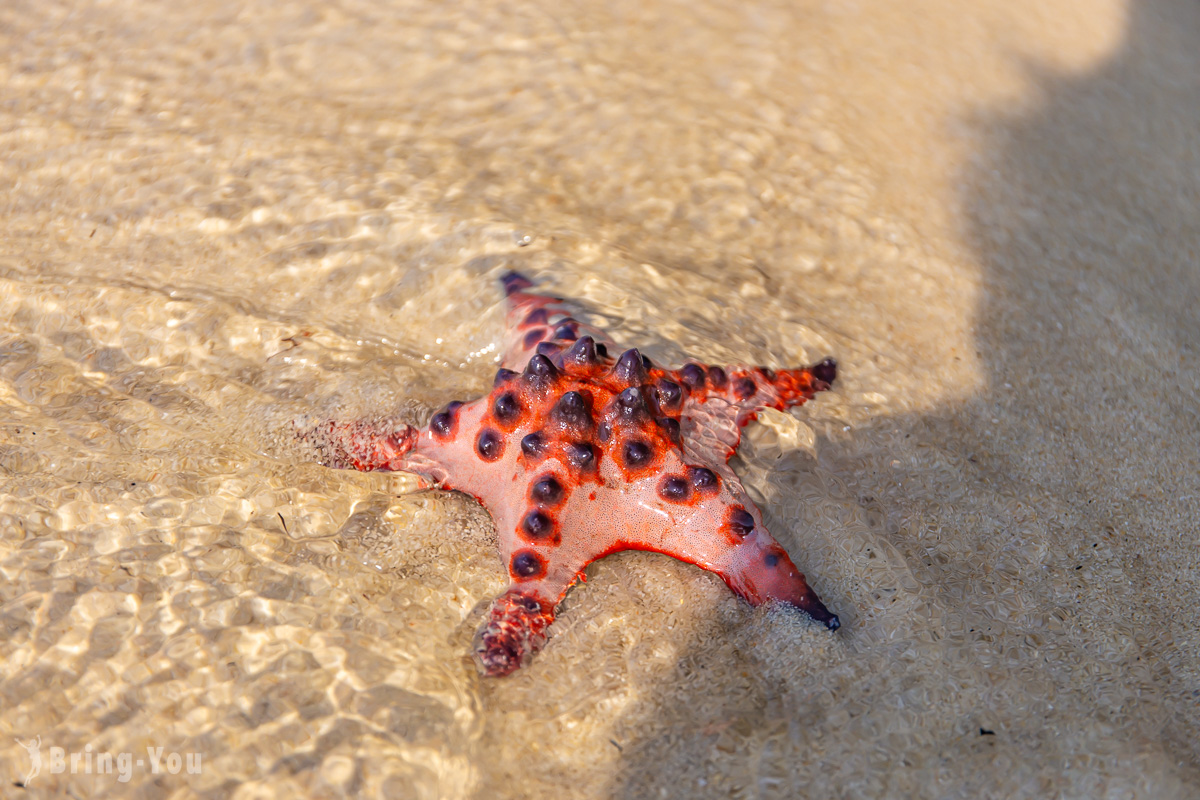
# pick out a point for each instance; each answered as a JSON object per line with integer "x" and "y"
{"x": 1085, "y": 218}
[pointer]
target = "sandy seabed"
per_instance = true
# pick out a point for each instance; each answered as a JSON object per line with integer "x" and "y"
{"x": 219, "y": 216}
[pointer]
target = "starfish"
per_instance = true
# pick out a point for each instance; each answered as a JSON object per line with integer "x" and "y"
{"x": 582, "y": 454}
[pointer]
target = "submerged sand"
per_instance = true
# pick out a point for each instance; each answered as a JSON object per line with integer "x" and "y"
{"x": 218, "y": 216}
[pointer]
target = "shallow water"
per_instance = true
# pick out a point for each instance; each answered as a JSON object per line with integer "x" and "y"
{"x": 220, "y": 217}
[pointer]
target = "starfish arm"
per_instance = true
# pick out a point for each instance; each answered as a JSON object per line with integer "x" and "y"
{"x": 470, "y": 453}
{"x": 446, "y": 452}
{"x": 718, "y": 529}
{"x": 541, "y": 564}
{"x": 723, "y": 400}
{"x": 365, "y": 445}
{"x": 759, "y": 570}
{"x": 552, "y": 526}
{"x": 538, "y": 319}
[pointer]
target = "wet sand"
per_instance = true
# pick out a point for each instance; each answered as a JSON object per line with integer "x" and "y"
{"x": 220, "y": 217}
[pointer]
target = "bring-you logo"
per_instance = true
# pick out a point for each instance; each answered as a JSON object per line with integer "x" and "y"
{"x": 90, "y": 762}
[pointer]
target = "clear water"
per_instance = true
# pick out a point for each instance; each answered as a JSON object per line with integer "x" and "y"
{"x": 218, "y": 217}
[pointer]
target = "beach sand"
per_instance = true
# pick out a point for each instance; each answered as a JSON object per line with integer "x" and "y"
{"x": 218, "y": 217}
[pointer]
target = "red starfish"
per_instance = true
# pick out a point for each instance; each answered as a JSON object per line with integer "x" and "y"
{"x": 581, "y": 455}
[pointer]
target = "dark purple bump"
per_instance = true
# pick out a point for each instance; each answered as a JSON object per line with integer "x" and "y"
{"x": 670, "y": 426}
{"x": 629, "y": 368}
{"x": 636, "y": 453}
{"x": 537, "y": 524}
{"x": 565, "y": 333}
{"x": 767, "y": 373}
{"x": 693, "y": 375}
{"x": 503, "y": 376}
{"x": 668, "y": 393}
{"x": 442, "y": 423}
{"x": 741, "y": 521}
{"x": 548, "y": 348}
{"x": 547, "y": 490}
{"x": 745, "y": 388}
{"x": 647, "y": 363}
{"x": 534, "y": 336}
{"x": 630, "y": 401}
{"x": 572, "y": 408}
{"x": 507, "y": 407}
{"x": 825, "y": 371}
{"x": 454, "y": 405}
{"x": 583, "y": 352}
{"x": 717, "y": 378}
{"x": 489, "y": 444}
{"x": 604, "y": 431}
{"x": 528, "y": 603}
{"x": 533, "y": 444}
{"x": 526, "y": 564}
{"x": 771, "y": 559}
{"x": 602, "y": 349}
{"x": 580, "y": 456}
{"x": 540, "y": 367}
{"x": 515, "y": 282}
{"x": 703, "y": 478}
{"x": 536, "y": 317}
{"x": 674, "y": 489}
{"x": 580, "y": 401}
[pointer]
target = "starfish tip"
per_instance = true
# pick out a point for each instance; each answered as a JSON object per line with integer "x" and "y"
{"x": 514, "y": 282}
{"x": 826, "y": 370}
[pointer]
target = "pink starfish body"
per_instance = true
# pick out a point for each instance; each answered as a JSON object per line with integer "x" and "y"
{"x": 582, "y": 454}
